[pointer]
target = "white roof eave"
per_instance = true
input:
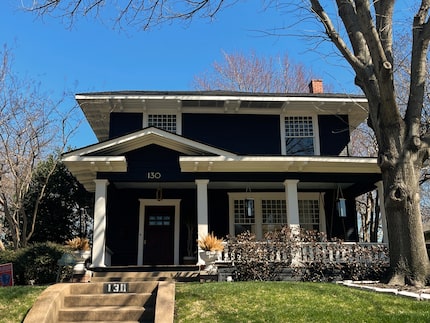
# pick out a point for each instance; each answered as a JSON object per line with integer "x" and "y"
{"x": 85, "y": 168}
{"x": 312, "y": 164}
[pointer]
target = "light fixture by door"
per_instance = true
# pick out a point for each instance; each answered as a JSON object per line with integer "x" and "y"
{"x": 340, "y": 203}
{"x": 249, "y": 203}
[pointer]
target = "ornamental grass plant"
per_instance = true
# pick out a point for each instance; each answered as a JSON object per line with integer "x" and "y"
{"x": 78, "y": 243}
{"x": 211, "y": 243}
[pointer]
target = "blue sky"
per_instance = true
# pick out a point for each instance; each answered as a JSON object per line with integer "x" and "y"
{"x": 93, "y": 56}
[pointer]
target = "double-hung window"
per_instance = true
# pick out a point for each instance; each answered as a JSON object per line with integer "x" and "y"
{"x": 299, "y": 136}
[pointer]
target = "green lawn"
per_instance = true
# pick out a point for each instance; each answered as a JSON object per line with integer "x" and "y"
{"x": 292, "y": 302}
{"x": 16, "y": 301}
{"x": 260, "y": 302}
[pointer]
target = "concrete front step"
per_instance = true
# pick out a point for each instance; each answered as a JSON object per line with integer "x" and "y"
{"x": 129, "y": 299}
{"x": 96, "y": 302}
{"x": 112, "y": 276}
{"x": 99, "y": 322}
{"x": 91, "y": 302}
{"x": 98, "y": 287}
{"x": 105, "y": 313}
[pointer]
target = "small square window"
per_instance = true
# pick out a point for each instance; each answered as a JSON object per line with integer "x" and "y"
{"x": 163, "y": 121}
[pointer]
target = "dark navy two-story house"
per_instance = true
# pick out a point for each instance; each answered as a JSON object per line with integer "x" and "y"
{"x": 168, "y": 162}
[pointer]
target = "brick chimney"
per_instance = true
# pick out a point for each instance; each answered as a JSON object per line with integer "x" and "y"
{"x": 316, "y": 87}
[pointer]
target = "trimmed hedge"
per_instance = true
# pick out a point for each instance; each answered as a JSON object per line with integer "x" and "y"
{"x": 35, "y": 264}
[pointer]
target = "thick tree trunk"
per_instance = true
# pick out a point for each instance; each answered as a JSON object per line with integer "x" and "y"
{"x": 409, "y": 261}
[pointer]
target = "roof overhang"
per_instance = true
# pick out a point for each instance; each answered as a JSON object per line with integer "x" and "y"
{"x": 311, "y": 164}
{"x": 85, "y": 168}
{"x": 98, "y": 106}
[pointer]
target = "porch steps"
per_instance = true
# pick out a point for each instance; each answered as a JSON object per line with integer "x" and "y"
{"x": 90, "y": 302}
{"x": 146, "y": 273}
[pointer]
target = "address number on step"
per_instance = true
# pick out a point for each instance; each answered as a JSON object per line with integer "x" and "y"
{"x": 115, "y": 288}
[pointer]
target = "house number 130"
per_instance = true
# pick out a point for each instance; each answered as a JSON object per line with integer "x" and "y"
{"x": 154, "y": 175}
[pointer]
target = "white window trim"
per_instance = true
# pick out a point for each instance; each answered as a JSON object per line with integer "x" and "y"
{"x": 164, "y": 112}
{"x": 315, "y": 126}
{"x": 258, "y": 196}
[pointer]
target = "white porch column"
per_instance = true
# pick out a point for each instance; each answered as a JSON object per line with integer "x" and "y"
{"x": 202, "y": 207}
{"x": 293, "y": 214}
{"x": 202, "y": 212}
{"x": 99, "y": 234}
{"x": 380, "y": 188}
{"x": 292, "y": 202}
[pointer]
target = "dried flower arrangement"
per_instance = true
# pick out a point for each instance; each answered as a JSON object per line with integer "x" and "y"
{"x": 78, "y": 244}
{"x": 211, "y": 243}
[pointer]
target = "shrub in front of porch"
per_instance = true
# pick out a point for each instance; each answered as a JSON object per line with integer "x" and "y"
{"x": 306, "y": 256}
{"x": 34, "y": 264}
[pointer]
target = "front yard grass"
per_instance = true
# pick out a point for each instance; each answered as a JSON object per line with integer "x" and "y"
{"x": 259, "y": 302}
{"x": 291, "y": 302}
{"x": 16, "y": 301}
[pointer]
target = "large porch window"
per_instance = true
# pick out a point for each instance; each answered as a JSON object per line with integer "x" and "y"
{"x": 269, "y": 212}
{"x": 274, "y": 214}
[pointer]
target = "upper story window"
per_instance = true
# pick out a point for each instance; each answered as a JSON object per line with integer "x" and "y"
{"x": 299, "y": 135}
{"x": 163, "y": 121}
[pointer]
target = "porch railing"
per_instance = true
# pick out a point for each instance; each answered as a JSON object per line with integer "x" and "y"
{"x": 303, "y": 253}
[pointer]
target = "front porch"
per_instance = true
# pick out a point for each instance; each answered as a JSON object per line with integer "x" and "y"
{"x": 306, "y": 261}
{"x": 269, "y": 260}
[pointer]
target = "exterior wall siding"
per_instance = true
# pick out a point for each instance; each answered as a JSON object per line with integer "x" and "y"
{"x": 124, "y": 123}
{"x": 239, "y": 133}
{"x": 334, "y": 134}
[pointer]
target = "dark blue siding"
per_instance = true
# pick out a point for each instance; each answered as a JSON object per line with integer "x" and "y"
{"x": 123, "y": 123}
{"x": 333, "y": 133}
{"x": 242, "y": 134}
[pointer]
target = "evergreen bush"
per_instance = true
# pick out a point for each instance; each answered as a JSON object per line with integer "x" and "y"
{"x": 35, "y": 264}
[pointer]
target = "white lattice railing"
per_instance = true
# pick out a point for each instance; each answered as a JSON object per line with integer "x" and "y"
{"x": 301, "y": 253}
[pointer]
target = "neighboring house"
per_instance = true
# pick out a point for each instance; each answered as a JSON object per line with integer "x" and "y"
{"x": 222, "y": 161}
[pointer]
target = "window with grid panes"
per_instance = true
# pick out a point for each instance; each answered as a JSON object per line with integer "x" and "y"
{"x": 299, "y": 135}
{"x": 242, "y": 221}
{"x": 163, "y": 121}
{"x": 270, "y": 212}
{"x": 309, "y": 214}
{"x": 274, "y": 215}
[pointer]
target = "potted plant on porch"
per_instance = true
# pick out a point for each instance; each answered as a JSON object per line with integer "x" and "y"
{"x": 81, "y": 251}
{"x": 210, "y": 248}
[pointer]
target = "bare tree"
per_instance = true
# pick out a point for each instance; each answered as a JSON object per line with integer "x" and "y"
{"x": 402, "y": 146}
{"x": 30, "y": 125}
{"x": 141, "y": 13}
{"x": 362, "y": 32}
{"x": 253, "y": 73}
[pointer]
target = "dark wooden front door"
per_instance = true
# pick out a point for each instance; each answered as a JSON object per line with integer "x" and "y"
{"x": 159, "y": 235}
